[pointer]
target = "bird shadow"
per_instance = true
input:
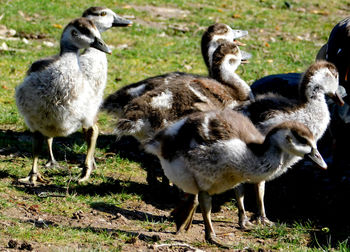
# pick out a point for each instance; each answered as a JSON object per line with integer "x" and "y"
{"x": 129, "y": 214}
{"x": 19, "y": 144}
{"x": 304, "y": 194}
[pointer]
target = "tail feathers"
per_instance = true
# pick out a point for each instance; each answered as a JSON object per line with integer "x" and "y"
{"x": 129, "y": 127}
{"x": 116, "y": 102}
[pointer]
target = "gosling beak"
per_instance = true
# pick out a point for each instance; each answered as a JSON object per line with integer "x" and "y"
{"x": 121, "y": 22}
{"x": 316, "y": 157}
{"x": 336, "y": 97}
{"x": 239, "y": 43}
{"x": 101, "y": 45}
{"x": 245, "y": 57}
{"x": 239, "y": 34}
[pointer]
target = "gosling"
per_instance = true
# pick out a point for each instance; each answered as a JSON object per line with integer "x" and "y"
{"x": 207, "y": 153}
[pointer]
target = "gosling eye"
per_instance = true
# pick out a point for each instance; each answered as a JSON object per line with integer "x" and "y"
{"x": 103, "y": 13}
{"x": 289, "y": 139}
{"x": 74, "y": 33}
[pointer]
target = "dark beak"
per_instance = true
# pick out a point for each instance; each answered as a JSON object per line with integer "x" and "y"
{"x": 316, "y": 157}
{"x": 121, "y": 22}
{"x": 101, "y": 45}
{"x": 336, "y": 97}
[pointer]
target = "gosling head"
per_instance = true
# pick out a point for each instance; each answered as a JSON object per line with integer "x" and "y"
{"x": 214, "y": 33}
{"x": 222, "y": 31}
{"x": 321, "y": 78}
{"x": 296, "y": 139}
{"x": 105, "y": 18}
{"x": 82, "y": 33}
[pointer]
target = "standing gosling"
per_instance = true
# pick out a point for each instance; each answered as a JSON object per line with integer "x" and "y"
{"x": 310, "y": 108}
{"x": 56, "y": 98}
{"x": 94, "y": 65}
{"x": 208, "y": 153}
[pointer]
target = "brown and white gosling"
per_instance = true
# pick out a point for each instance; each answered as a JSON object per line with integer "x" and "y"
{"x": 319, "y": 80}
{"x": 207, "y": 153}
{"x": 214, "y": 36}
{"x": 211, "y": 39}
{"x": 186, "y": 94}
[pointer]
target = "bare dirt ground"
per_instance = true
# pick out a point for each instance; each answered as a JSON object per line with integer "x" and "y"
{"x": 116, "y": 220}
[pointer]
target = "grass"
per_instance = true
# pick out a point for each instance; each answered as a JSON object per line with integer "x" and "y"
{"x": 281, "y": 39}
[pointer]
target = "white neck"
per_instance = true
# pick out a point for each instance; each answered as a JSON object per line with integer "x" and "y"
{"x": 259, "y": 166}
{"x": 272, "y": 163}
{"x": 315, "y": 115}
{"x": 228, "y": 76}
{"x": 71, "y": 57}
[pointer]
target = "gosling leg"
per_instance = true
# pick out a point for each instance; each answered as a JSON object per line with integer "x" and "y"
{"x": 91, "y": 135}
{"x": 260, "y": 193}
{"x": 205, "y": 204}
{"x": 52, "y": 162}
{"x": 183, "y": 213}
{"x": 35, "y": 176}
{"x": 193, "y": 210}
{"x": 244, "y": 222}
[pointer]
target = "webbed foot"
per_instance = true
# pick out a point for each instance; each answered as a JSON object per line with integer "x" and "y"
{"x": 87, "y": 170}
{"x": 34, "y": 179}
{"x": 245, "y": 223}
{"x": 265, "y": 221}
{"x": 215, "y": 241}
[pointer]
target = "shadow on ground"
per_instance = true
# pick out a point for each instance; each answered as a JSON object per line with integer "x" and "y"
{"x": 304, "y": 194}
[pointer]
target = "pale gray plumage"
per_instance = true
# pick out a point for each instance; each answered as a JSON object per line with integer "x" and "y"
{"x": 56, "y": 98}
{"x": 210, "y": 152}
{"x": 93, "y": 62}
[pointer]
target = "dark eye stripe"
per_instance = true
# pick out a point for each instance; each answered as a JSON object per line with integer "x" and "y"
{"x": 93, "y": 11}
{"x": 301, "y": 139}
